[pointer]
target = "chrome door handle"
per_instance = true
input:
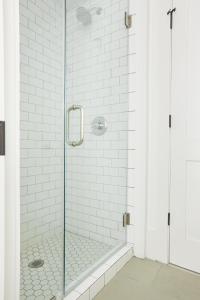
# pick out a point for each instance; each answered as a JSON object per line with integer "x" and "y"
{"x": 80, "y": 141}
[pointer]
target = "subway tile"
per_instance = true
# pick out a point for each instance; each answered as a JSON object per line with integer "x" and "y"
{"x": 85, "y": 285}
{"x": 110, "y": 273}
{"x": 96, "y": 287}
{"x": 85, "y": 296}
{"x": 97, "y": 79}
{"x": 72, "y": 296}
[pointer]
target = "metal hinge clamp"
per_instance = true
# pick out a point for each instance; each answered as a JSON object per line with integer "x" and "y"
{"x": 128, "y": 20}
{"x": 126, "y": 219}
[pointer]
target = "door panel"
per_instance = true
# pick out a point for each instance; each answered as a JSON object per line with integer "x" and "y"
{"x": 185, "y": 168}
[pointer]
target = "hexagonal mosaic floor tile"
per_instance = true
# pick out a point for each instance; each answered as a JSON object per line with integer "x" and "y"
{"x": 46, "y": 281}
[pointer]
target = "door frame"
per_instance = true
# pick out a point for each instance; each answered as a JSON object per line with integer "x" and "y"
{"x": 2, "y": 158}
{"x": 159, "y": 144}
{"x": 12, "y": 158}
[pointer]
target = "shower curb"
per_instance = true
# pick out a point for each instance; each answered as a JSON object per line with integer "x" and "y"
{"x": 90, "y": 287}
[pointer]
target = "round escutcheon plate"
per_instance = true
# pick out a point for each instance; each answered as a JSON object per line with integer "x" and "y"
{"x": 99, "y": 126}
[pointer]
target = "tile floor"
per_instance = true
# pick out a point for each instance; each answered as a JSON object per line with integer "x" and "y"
{"x": 148, "y": 280}
{"x": 45, "y": 282}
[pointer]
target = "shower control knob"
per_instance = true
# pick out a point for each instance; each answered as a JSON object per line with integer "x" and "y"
{"x": 99, "y": 126}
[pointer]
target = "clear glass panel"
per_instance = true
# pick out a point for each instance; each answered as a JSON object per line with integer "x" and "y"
{"x": 87, "y": 52}
{"x": 42, "y": 27}
{"x": 96, "y": 170}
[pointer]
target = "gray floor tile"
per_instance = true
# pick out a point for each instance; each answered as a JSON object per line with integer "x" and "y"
{"x": 178, "y": 283}
{"x": 148, "y": 280}
{"x": 143, "y": 271}
{"x": 122, "y": 288}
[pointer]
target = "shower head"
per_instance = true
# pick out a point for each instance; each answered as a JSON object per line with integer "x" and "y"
{"x": 84, "y": 15}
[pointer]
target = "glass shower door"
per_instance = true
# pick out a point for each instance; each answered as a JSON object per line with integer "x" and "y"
{"x": 96, "y": 106}
{"x": 74, "y": 136}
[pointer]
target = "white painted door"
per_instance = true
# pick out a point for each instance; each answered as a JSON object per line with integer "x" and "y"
{"x": 185, "y": 134}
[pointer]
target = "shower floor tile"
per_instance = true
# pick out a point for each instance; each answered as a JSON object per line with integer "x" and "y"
{"x": 46, "y": 281}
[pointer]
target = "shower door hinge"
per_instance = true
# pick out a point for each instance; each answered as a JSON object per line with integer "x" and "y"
{"x": 126, "y": 219}
{"x": 2, "y": 138}
{"x": 128, "y": 20}
{"x": 171, "y": 14}
{"x": 170, "y": 121}
{"x": 169, "y": 219}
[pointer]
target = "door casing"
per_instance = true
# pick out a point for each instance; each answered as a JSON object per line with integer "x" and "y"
{"x": 2, "y": 159}
{"x": 159, "y": 108}
{"x": 12, "y": 157}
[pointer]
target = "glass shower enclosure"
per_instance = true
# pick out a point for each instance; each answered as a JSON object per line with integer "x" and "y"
{"x": 74, "y": 140}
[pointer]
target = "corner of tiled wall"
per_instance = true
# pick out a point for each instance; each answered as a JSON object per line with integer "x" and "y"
{"x": 132, "y": 122}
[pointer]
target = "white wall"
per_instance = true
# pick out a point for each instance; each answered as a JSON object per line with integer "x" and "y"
{"x": 137, "y": 233}
{"x": 158, "y": 130}
{"x": 42, "y": 118}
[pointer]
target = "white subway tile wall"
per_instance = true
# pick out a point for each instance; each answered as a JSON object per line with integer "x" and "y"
{"x": 97, "y": 77}
{"x": 100, "y": 76}
{"x": 42, "y": 118}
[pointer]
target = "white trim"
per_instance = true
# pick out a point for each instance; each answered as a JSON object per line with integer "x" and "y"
{"x": 157, "y": 246}
{"x": 141, "y": 126}
{"x": 2, "y": 159}
{"x": 12, "y": 242}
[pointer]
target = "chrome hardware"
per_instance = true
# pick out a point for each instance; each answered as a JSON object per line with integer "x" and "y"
{"x": 171, "y": 14}
{"x": 80, "y": 141}
{"x": 2, "y": 138}
{"x": 126, "y": 219}
{"x": 99, "y": 126}
{"x": 170, "y": 121}
{"x": 168, "y": 219}
{"x": 128, "y": 20}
